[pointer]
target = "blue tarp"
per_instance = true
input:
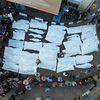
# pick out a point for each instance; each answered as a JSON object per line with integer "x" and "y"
{"x": 57, "y": 18}
{"x": 20, "y": 7}
{"x": 91, "y": 98}
{"x": 1, "y": 17}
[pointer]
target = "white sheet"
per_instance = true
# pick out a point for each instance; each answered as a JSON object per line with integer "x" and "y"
{"x": 17, "y": 60}
{"x": 90, "y": 45}
{"x": 89, "y": 49}
{"x": 51, "y": 46}
{"x": 83, "y": 59}
{"x": 36, "y": 31}
{"x": 16, "y": 43}
{"x": 28, "y": 59}
{"x": 37, "y": 18}
{"x": 32, "y": 45}
{"x": 11, "y": 17}
{"x": 48, "y": 59}
{"x": 35, "y": 35}
{"x": 21, "y": 24}
{"x": 68, "y": 63}
{"x": 65, "y": 64}
{"x": 56, "y": 34}
{"x": 73, "y": 45}
{"x": 28, "y": 69}
{"x": 88, "y": 31}
{"x": 49, "y": 65}
{"x": 48, "y": 53}
{"x": 13, "y": 51}
{"x": 19, "y": 35}
{"x": 11, "y": 58}
{"x": 90, "y": 40}
{"x": 35, "y": 40}
{"x": 62, "y": 68}
{"x": 87, "y": 35}
{"x": 84, "y": 66}
{"x": 38, "y": 24}
{"x": 89, "y": 28}
{"x": 74, "y": 30}
{"x": 83, "y": 28}
{"x": 10, "y": 66}
{"x": 20, "y": 69}
{"x": 75, "y": 38}
{"x": 22, "y": 14}
{"x": 21, "y": 58}
{"x": 72, "y": 48}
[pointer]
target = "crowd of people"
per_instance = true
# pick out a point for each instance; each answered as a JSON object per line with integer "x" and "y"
{"x": 6, "y": 19}
{"x": 21, "y": 83}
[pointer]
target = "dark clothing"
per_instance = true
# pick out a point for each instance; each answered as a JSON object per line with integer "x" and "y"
{"x": 95, "y": 83}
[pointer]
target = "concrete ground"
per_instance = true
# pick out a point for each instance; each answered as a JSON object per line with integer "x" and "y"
{"x": 67, "y": 93}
